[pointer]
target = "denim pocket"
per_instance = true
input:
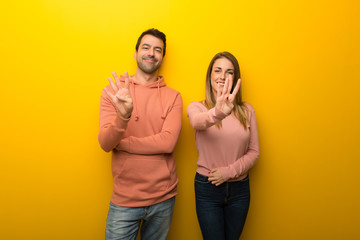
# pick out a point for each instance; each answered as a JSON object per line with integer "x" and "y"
{"x": 201, "y": 178}
{"x": 245, "y": 179}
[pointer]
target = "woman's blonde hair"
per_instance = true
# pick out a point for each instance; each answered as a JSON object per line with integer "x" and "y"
{"x": 210, "y": 100}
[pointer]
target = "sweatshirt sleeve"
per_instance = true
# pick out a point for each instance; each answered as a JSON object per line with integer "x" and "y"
{"x": 244, "y": 163}
{"x": 112, "y": 126}
{"x": 201, "y": 119}
{"x": 163, "y": 142}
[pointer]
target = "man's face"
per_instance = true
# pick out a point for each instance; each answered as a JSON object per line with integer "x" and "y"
{"x": 149, "y": 56}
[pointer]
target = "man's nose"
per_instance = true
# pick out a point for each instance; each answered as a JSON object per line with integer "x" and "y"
{"x": 151, "y": 52}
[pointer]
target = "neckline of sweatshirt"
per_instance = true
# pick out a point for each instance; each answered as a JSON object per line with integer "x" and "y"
{"x": 159, "y": 83}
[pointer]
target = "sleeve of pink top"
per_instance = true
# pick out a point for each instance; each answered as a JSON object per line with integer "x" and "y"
{"x": 201, "y": 119}
{"x": 112, "y": 126}
{"x": 163, "y": 142}
{"x": 244, "y": 163}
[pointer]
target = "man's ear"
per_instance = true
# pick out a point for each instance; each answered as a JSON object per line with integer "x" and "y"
{"x": 135, "y": 55}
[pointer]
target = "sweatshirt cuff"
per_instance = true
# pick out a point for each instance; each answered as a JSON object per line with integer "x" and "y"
{"x": 216, "y": 115}
{"x": 227, "y": 173}
{"x": 120, "y": 123}
{"x": 125, "y": 144}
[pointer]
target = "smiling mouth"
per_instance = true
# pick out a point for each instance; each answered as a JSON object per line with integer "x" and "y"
{"x": 220, "y": 83}
{"x": 151, "y": 60}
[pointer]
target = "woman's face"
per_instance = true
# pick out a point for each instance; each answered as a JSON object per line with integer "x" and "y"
{"x": 222, "y": 69}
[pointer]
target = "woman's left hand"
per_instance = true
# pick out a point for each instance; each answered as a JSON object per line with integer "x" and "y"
{"x": 215, "y": 177}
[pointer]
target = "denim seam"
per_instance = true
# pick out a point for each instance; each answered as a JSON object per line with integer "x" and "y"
{"x": 199, "y": 181}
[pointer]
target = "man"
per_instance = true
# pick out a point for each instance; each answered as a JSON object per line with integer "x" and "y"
{"x": 140, "y": 122}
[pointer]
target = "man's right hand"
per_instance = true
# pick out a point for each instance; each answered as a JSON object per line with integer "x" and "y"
{"x": 122, "y": 97}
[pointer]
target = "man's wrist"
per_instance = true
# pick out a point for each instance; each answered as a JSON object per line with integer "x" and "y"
{"x": 125, "y": 117}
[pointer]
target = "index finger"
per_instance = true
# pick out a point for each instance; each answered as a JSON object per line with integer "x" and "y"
{"x": 225, "y": 87}
{"x": 126, "y": 79}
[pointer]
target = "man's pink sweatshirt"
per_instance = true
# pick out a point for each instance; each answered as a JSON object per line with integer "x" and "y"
{"x": 143, "y": 165}
{"x": 231, "y": 148}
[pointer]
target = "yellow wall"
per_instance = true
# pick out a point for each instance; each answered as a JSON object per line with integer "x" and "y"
{"x": 300, "y": 63}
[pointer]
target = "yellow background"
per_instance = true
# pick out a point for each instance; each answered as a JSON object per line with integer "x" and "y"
{"x": 300, "y": 63}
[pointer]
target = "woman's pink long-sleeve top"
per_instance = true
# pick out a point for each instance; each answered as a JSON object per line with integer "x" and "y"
{"x": 231, "y": 148}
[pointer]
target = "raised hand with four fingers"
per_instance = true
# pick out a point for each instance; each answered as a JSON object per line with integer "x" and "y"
{"x": 121, "y": 98}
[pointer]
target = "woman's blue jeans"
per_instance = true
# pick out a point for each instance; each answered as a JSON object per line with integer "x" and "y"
{"x": 221, "y": 210}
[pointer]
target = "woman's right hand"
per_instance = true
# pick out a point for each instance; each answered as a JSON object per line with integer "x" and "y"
{"x": 122, "y": 97}
{"x": 225, "y": 99}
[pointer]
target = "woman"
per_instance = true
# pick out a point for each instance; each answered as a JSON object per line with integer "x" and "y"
{"x": 227, "y": 142}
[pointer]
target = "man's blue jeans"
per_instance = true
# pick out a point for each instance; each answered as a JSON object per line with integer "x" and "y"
{"x": 124, "y": 222}
{"x": 221, "y": 210}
